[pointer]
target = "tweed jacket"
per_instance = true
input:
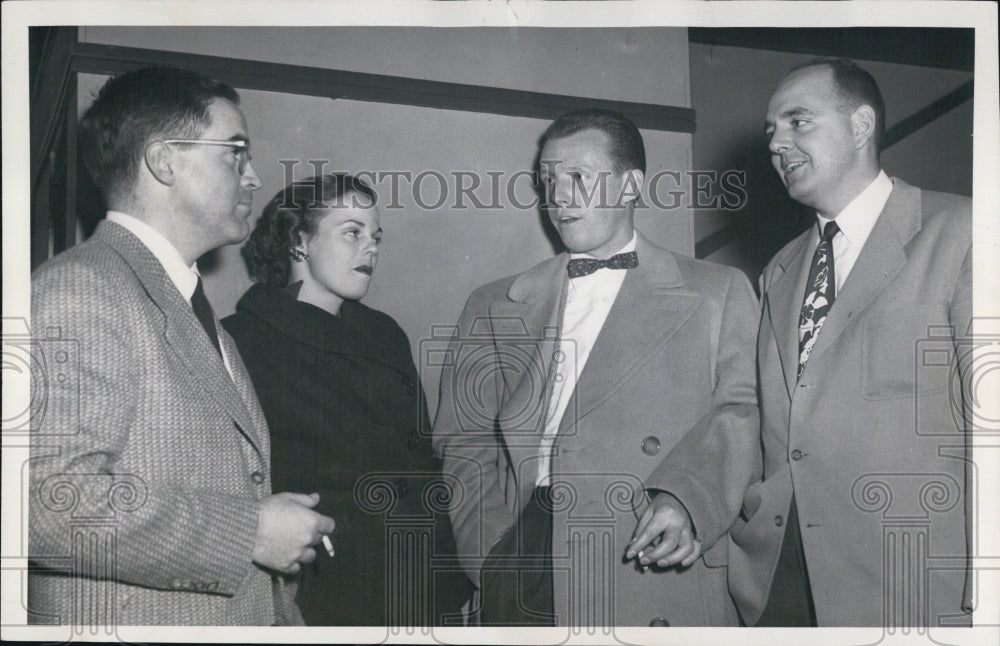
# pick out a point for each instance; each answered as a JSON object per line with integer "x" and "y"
{"x": 871, "y": 439}
{"x": 666, "y": 401}
{"x": 148, "y": 459}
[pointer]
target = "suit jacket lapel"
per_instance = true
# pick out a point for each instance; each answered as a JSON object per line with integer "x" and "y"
{"x": 525, "y": 328}
{"x": 258, "y": 435}
{"x": 650, "y": 307}
{"x": 783, "y": 303}
{"x": 881, "y": 259}
{"x": 182, "y": 331}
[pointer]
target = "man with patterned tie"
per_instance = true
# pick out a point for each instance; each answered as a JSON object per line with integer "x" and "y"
{"x": 150, "y": 498}
{"x": 599, "y": 411}
{"x": 861, "y": 405}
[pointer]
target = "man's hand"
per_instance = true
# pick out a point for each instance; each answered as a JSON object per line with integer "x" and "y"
{"x": 666, "y": 519}
{"x": 287, "y": 528}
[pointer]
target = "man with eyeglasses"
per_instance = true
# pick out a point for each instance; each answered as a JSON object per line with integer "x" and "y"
{"x": 150, "y": 498}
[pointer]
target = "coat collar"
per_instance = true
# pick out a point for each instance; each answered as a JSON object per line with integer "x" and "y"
{"x": 359, "y": 330}
{"x": 882, "y": 257}
{"x": 182, "y": 331}
{"x": 535, "y": 285}
{"x": 651, "y": 306}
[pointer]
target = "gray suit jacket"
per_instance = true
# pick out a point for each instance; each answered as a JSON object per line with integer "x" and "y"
{"x": 666, "y": 400}
{"x": 147, "y": 458}
{"x": 871, "y": 439}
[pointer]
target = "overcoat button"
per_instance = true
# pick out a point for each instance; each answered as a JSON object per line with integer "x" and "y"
{"x": 257, "y": 477}
{"x": 796, "y": 455}
{"x": 659, "y": 622}
{"x": 778, "y": 520}
{"x": 650, "y": 445}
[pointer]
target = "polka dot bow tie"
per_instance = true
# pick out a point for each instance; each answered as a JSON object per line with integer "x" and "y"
{"x": 585, "y": 266}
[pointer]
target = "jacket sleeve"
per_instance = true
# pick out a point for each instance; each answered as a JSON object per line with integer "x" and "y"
{"x": 466, "y": 439}
{"x": 711, "y": 467}
{"x": 164, "y": 535}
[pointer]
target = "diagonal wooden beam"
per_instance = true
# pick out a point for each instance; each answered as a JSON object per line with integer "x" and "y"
{"x": 925, "y": 115}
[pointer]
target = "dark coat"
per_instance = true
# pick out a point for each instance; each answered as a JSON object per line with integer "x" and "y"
{"x": 348, "y": 420}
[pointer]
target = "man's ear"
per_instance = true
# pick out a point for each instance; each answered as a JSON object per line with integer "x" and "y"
{"x": 863, "y": 125}
{"x": 159, "y": 162}
{"x": 631, "y": 185}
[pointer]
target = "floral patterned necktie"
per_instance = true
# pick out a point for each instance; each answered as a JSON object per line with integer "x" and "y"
{"x": 820, "y": 292}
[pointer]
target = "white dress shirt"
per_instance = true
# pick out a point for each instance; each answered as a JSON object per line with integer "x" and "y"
{"x": 184, "y": 277}
{"x": 856, "y": 222}
{"x": 588, "y": 303}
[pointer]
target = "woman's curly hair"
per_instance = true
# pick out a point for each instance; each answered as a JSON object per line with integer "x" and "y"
{"x": 295, "y": 211}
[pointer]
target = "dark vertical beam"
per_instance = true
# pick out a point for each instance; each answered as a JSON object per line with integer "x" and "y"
{"x": 52, "y": 131}
{"x": 69, "y": 163}
{"x": 41, "y": 197}
{"x": 48, "y": 90}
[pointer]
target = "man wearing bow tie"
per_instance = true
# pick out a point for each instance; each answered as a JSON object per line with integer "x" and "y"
{"x": 599, "y": 411}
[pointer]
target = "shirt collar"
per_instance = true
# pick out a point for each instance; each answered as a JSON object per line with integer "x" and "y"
{"x": 858, "y": 217}
{"x": 185, "y": 278}
{"x": 628, "y": 247}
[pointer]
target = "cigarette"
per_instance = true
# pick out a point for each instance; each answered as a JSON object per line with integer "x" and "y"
{"x": 328, "y": 545}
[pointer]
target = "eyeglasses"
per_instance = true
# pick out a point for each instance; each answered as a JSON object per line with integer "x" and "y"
{"x": 240, "y": 148}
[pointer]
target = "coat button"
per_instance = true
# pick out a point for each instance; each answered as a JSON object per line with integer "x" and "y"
{"x": 257, "y": 477}
{"x": 659, "y": 622}
{"x": 650, "y": 445}
{"x": 778, "y": 520}
{"x": 408, "y": 383}
{"x": 796, "y": 455}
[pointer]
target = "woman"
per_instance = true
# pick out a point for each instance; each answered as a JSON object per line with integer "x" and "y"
{"x": 343, "y": 402}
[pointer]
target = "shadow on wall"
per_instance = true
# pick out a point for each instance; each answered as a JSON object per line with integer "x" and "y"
{"x": 767, "y": 220}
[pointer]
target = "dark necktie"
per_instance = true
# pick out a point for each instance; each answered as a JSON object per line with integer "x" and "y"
{"x": 820, "y": 292}
{"x": 203, "y": 310}
{"x": 585, "y": 266}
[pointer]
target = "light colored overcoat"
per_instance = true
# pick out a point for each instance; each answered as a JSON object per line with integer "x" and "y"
{"x": 667, "y": 400}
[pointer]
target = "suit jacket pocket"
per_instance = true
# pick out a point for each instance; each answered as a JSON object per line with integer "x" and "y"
{"x": 893, "y": 361}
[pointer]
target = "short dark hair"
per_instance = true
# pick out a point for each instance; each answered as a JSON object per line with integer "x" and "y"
{"x": 133, "y": 110}
{"x": 626, "y": 147}
{"x": 295, "y": 210}
{"x": 856, "y": 87}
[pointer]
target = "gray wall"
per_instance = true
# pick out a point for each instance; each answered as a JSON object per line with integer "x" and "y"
{"x": 730, "y": 89}
{"x": 433, "y": 258}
